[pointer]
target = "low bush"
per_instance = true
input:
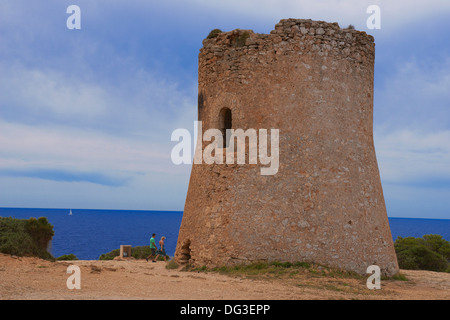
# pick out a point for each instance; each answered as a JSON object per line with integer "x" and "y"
{"x": 23, "y": 237}
{"x": 431, "y": 252}
{"x": 110, "y": 255}
{"x": 67, "y": 257}
{"x": 240, "y": 41}
{"x": 214, "y": 33}
{"x": 139, "y": 252}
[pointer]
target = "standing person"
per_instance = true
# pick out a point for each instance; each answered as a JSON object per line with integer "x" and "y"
{"x": 162, "y": 251}
{"x": 152, "y": 248}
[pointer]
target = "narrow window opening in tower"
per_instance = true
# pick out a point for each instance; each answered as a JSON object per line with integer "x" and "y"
{"x": 225, "y": 123}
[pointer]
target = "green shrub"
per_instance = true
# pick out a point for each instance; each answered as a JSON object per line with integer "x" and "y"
{"x": 23, "y": 237}
{"x": 214, "y": 33}
{"x": 41, "y": 230}
{"x": 438, "y": 244}
{"x": 110, "y": 255}
{"x": 399, "y": 277}
{"x": 141, "y": 252}
{"x": 240, "y": 41}
{"x": 431, "y": 252}
{"x": 302, "y": 265}
{"x": 67, "y": 257}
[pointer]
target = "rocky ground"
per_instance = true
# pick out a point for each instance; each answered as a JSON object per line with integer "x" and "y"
{"x": 31, "y": 278}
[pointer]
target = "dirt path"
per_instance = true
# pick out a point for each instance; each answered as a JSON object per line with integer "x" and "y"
{"x": 32, "y": 278}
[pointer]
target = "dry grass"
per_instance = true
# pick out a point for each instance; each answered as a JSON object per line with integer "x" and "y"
{"x": 302, "y": 275}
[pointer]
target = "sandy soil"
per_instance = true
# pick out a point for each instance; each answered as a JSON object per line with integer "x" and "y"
{"x": 31, "y": 278}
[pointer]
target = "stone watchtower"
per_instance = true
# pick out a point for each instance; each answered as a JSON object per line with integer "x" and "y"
{"x": 313, "y": 81}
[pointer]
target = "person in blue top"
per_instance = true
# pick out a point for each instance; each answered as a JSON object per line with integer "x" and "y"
{"x": 152, "y": 248}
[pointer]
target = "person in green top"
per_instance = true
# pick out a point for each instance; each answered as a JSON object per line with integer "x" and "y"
{"x": 152, "y": 248}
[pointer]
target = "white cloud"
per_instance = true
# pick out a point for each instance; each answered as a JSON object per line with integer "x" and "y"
{"x": 149, "y": 192}
{"x": 412, "y": 127}
{"x": 415, "y": 172}
{"x": 50, "y": 93}
{"x": 65, "y": 110}
{"x": 134, "y": 101}
{"x": 415, "y": 95}
{"x": 413, "y": 157}
{"x": 57, "y": 147}
{"x": 127, "y": 173}
{"x": 394, "y": 14}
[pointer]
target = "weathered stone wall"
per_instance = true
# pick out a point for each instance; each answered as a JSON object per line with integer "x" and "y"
{"x": 314, "y": 82}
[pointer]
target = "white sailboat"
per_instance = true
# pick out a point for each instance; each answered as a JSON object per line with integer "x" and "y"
{"x": 70, "y": 213}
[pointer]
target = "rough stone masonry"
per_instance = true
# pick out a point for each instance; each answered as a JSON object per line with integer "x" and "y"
{"x": 313, "y": 81}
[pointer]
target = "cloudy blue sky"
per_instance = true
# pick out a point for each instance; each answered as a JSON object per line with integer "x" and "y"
{"x": 86, "y": 115}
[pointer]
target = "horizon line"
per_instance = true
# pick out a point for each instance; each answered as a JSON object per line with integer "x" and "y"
{"x": 155, "y": 210}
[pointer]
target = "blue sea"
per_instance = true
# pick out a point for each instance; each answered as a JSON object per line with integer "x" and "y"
{"x": 90, "y": 233}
